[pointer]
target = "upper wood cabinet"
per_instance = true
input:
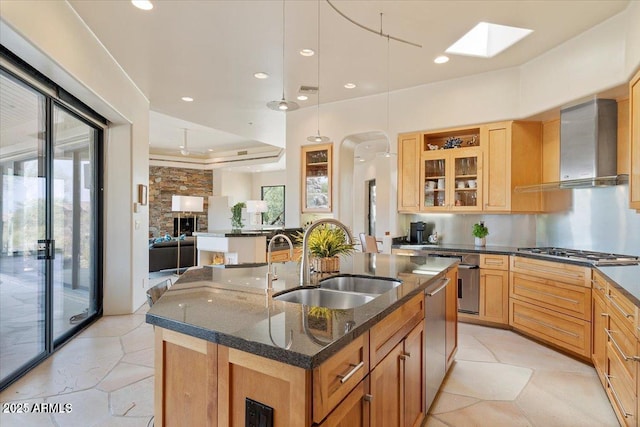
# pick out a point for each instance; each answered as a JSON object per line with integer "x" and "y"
{"x": 513, "y": 157}
{"x": 316, "y": 177}
{"x": 409, "y": 172}
{"x": 634, "y": 124}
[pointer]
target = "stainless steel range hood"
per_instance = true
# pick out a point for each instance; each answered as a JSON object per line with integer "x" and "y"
{"x": 588, "y": 147}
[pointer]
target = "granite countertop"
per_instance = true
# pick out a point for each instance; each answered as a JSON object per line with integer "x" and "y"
{"x": 230, "y": 307}
{"x": 233, "y": 233}
{"x": 625, "y": 277}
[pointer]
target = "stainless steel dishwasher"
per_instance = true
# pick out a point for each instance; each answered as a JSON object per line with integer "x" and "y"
{"x": 468, "y": 280}
{"x": 435, "y": 355}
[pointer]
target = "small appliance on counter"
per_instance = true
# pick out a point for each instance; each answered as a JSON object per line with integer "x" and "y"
{"x": 419, "y": 231}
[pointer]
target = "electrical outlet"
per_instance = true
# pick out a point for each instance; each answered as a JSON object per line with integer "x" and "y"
{"x": 257, "y": 414}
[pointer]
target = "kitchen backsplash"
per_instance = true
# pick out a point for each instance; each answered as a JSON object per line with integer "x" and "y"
{"x": 599, "y": 219}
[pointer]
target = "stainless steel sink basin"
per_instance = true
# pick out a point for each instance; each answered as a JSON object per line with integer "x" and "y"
{"x": 328, "y": 298}
{"x": 360, "y": 284}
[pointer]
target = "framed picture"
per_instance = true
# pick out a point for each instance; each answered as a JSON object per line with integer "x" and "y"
{"x": 142, "y": 194}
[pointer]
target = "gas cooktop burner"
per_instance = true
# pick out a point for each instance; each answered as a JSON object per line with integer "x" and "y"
{"x": 595, "y": 258}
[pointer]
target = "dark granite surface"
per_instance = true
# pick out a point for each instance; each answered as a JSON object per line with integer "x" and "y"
{"x": 230, "y": 307}
{"x": 626, "y": 277}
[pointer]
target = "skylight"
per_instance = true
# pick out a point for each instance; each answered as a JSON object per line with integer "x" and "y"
{"x": 486, "y": 40}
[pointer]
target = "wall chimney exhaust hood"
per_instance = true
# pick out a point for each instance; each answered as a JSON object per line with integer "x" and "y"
{"x": 588, "y": 147}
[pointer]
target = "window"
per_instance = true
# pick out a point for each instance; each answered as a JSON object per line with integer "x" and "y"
{"x": 274, "y": 196}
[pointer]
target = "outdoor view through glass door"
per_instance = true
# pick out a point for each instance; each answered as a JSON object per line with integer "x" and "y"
{"x": 49, "y": 275}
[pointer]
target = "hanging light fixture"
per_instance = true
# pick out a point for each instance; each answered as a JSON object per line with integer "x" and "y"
{"x": 317, "y": 137}
{"x": 283, "y": 104}
{"x": 388, "y": 152}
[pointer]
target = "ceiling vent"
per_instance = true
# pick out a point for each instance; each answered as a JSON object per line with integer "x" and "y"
{"x": 243, "y": 153}
{"x": 308, "y": 90}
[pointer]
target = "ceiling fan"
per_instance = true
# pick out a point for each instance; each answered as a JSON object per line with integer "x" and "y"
{"x": 184, "y": 148}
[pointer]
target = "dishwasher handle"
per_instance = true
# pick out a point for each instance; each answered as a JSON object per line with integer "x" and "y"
{"x": 444, "y": 285}
{"x": 468, "y": 266}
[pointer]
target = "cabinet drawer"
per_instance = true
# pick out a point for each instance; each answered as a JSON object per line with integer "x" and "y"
{"x": 557, "y": 271}
{"x": 564, "y": 331}
{"x": 623, "y": 342}
{"x": 620, "y": 391}
{"x": 335, "y": 378}
{"x": 620, "y": 306}
{"x": 494, "y": 262}
{"x": 568, "y": 299}
{"x": 354, "y": 409}
{"x": 393, "y": 328}
{"x": 599, "y": 284}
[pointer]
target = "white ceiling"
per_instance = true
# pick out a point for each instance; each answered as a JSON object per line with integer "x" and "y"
{"x": 209, "y": 50}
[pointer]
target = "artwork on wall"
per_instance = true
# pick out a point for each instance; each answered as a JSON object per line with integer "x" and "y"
{"x": 142, "y": 194}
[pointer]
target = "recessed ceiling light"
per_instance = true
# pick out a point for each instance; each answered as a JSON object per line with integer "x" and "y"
{"x": 487, "y": 40}
{"x": 187, "y": 99}
{"x": 210, "y": 149}
{"x": 142, "y": 4}
{"x": 350, "y": 85}
{"x": 441, "y": 59}
{"x": 261, "y": 75}
{"x": 307, "y": 52}
{"x": 302, "y": 97}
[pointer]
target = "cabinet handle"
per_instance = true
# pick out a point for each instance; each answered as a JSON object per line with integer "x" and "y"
{"x": 615, "y": 304}
{"x": 404, "y": 355}
{"x": 368, "y": 397}
{"x": 595, "y": 285}
{"x": 615, "y": 396}
{"x": 624, "y": 356}
{"x": 344, "y": 378}
{"x": 604, "y": 314}
{"x": 446, "y": 282}
{"x": 555, "y": 328}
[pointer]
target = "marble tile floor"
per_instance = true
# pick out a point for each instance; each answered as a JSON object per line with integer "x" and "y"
{"x": 499, "y": 379}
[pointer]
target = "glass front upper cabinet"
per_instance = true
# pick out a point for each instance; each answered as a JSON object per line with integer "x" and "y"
{"x": 316, "y": 177}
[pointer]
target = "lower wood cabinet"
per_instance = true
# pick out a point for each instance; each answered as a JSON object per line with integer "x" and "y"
{"x": 353, "y": 411}
{"x": 599, "y": 336}
{"x": 451, "y": 316}
{"x": 494, "y": 288}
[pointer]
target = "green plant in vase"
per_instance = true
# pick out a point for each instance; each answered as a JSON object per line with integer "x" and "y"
{"x": 236, "y": 215}
{"x": 325, "y": 245}
{"x": 480, "y": 232}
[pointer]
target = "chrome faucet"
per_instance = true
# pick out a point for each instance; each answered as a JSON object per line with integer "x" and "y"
{"x": 305, "y": 275}
{"x": 271, "y": 276}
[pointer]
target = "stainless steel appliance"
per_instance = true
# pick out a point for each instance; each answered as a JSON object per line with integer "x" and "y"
{"x": 435, "y": 366}
{"x": 594, "y": 258}
{"x": 468, "y": 280}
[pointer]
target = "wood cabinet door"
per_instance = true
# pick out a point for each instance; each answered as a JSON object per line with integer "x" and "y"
{"x": 353, "y": 411}
{"x": 413, "y": 377}
{"x": 599, "y": 336}
{"x": 634, "y": 124}
{"x": 436, "y": 181}
{"x": 451, "y": 314}
{"x": 409, "y": 172}
{"x": 316, "y": 176}
{"x": 386, "y": 390}
{"x": 494, "y": 296}
{"x": 497, "y": 167}
{"x": 466, "y": 179}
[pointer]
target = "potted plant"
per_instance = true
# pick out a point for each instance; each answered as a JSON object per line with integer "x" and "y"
{"x": 480, "y": 232}
{"x": 236, "y": 215}
{"x": 326, "y": 244}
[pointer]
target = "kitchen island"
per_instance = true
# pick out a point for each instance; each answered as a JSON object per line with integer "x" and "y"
{"x": 220, "y": 340}
{"x": 231, "y": 247}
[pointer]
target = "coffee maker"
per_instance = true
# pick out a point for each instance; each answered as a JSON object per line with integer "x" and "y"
{"x": 416, "y": 232}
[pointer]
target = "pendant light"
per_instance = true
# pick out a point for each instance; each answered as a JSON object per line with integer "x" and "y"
{"x": 388, "y": 152}
{"x": 317, "y": 137}
{"x": 283, "y": 104}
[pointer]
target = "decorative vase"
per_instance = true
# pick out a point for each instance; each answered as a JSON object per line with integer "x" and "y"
{"x": 480, "y": 241}
{"x": 326, "y": 265}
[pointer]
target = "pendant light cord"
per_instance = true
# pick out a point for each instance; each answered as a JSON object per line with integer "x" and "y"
{"x": 283, "y": 38}
{"x": 318, "y": 97}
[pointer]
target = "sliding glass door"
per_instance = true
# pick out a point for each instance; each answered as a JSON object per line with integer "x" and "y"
{"x": 50, "y": 277}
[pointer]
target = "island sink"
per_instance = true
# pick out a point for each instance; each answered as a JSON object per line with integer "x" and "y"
{"x": 318, "y": 297}
{"x": 360, "y": 284}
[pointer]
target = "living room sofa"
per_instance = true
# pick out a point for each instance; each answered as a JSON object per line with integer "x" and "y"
{"x": 164, "y": 255}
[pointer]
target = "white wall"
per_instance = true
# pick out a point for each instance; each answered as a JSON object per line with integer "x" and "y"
{"x": 264, "y": 179}
{"x": 603, "y": 57}
{"x": 51, "y": 38}
{"x": 237, "y": 186}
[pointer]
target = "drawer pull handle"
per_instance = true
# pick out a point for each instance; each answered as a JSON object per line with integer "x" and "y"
{"x": 555, "y": 328}
{"x": 368, "y": 397}
{"x": 624, "y": 356}
{"x": 548, "y": 294}
{"x": 615, "y": 396}
{"x": 615, "y": 304}
{"x": 596, "y": 286}
{"x": 404, "y": 355}
{"x": 344, "y": 378}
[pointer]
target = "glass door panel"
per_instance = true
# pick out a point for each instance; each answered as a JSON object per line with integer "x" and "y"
{"x": 435, "y": 182}
{"x": 466, "y": 180}
{"x": 74, "y": 143}
{"x": 23, "y": 190}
